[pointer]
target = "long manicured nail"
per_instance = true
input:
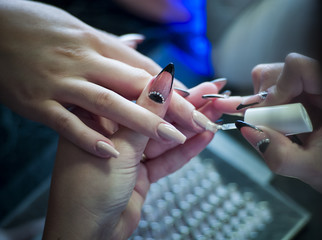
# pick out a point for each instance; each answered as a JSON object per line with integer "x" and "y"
{"x": 204, "y": 122}
{"x": 252, "y": 100}
{"x": 225, "y": 94}
{"x": 169, "y": 132}
{"x": 162, "y": 84}
{"x": 219, "y": 82}
{"x": 184, "y": 93}
{"x": 254, "y": 135}
{"x": 106, "y": 149}
{"x": 136, "y": 37}
{"x": 132, "y": 40}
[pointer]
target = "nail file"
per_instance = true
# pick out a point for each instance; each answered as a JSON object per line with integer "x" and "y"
{"x": 288, "y": 119}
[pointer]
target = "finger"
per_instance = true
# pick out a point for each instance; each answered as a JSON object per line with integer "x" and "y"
{"x": 300, "y": 74}
{"x": 177, "y": 157}
{"x": 282, "y": 155}
{"x": 195, "y": 97}
{"x": 112, "y": 47}
{"x": 118, "y": 76}
{"x": 228, "y": 105}
{"x": 265, "y": 75}
{"x": 72, "y": 128}
{"x": 129, "y": 81}
{"x": 106, "y": 103}
{"x": 155, "y": 149}
{"x": 97, "y": 123}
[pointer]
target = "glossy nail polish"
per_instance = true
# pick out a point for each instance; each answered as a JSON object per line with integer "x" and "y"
{"x": 169, "y": 132}
{"x": 204, "y": 122}
{"x": 162, "y": 85}
{"x": 182, "y": 92}
{"x": 219, "y": 82}
{"x": 225, "y": 94}
{"x": 252, "y": 100}
{"x": 106, "y": 149}
{"x": 254, "y": 135}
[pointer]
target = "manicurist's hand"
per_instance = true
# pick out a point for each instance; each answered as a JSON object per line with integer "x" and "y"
{"x": 93, "y": 198}
{"x": 51, "y": 62}
{"x": 298, "y": 79}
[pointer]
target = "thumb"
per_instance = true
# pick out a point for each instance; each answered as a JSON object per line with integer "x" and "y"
{"x": 280, "y": 154}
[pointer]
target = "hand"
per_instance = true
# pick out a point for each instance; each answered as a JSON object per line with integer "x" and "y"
{"x": 299, "y": 79}
{"x": 95, "y": 199}
{"x": 51, "y": 61}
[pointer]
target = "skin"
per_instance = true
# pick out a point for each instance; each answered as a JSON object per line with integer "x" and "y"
{"x": 51, "y": 62}
{"x": 298, "y": 79}
{"x": 96, "y": 199}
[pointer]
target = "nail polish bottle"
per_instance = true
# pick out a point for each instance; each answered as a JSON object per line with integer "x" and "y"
{"x": 288, "y": 119}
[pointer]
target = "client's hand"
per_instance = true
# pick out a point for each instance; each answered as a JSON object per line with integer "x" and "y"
{"x": 299, "y": 79}
{"x": 51, "y": 62}
{"x": 92, "y": 198}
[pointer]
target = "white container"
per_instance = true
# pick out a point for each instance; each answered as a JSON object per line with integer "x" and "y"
{"x": 288, "y": 119}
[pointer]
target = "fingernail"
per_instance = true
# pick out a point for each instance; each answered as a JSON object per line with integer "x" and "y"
{"x": 182, "y": 92}
{"x": 219, "y": 82}
{"x": 169, "y": 132}
{"x": 162, "y": 84}
{"x": 225, "y": 94}
{"x": 106, "y": 149}
{"x": 203, "y": 121}
{"x": 252, "y": 100}
{"x": 256, "y": 136}
{"x": 132, "y": 37}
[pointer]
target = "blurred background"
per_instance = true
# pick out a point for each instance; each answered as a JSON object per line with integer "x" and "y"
{"x": 205, "y": 39}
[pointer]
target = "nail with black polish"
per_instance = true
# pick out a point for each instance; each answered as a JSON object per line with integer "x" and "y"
{"x": 263, "y": 144}
{"x": 295, "y": 139}
{"x": 219, "y": 82}
{"x": 162, "y": 85}
{"x": 252, "y": 100}
{"x": 239, "y": 124}
{"x": 182, "y": 92}
{"x": 259, "y": 140}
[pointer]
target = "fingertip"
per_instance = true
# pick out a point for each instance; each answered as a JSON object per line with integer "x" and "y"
{"x": 105, "y": 149}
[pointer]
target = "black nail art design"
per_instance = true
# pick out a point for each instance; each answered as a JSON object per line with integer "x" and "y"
{"x": 162, "y": 84}
{"x": 295, "y": 139}
{"x": 182, "y": 92}
{"x": 253, "y": 100}
{"x": 239, "y": 124}
{"x": 241, "y": 106}
{"x": 263, "y": 144}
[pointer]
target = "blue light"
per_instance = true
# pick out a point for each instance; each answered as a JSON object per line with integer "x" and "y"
{"x": 191, "y": 40}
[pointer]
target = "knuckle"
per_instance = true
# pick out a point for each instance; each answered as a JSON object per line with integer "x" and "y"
{"x": 262, "y": 72}
{"x": 292, "y": 59}
{"x": 103, "y": 100}
{"x": 62, "y": 123}
{"x": 256, "y": 71}
{"x": 90, "y": 36}
{"x": 71, "y": 52}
